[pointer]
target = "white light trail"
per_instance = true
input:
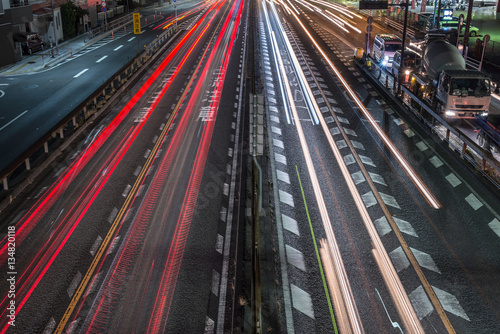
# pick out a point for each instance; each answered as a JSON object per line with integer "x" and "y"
{"x": 424, "y": 190}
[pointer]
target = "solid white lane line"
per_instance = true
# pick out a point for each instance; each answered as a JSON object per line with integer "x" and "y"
{"x": 85, "y": 70}
{"x": 12, "y": 121}
{"x": 101, "y": 59}
{"x": 118, "y": 48}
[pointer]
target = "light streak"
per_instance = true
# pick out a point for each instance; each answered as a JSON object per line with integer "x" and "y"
{"x": 424, "y": 190}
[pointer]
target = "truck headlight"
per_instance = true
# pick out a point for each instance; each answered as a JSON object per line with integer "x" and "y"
{"x": 449, "y": 113}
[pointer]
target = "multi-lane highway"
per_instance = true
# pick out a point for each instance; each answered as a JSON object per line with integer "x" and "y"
{"x": 403, "y": 236}
{"x": 368, "y": 224}
{"x": 131, "y": 236}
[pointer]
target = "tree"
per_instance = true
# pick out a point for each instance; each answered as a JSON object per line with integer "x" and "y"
{"x": 71, "y": 16}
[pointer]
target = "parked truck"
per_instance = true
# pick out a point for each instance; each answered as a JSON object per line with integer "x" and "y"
{"x": 488, "y": 131}
{"x": 446, "y": 85}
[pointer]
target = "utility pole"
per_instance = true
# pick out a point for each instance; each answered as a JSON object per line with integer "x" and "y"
{"x": 467, "y": 25}
{"x": 401, "y": 67}
{"x": 54, "y": 25}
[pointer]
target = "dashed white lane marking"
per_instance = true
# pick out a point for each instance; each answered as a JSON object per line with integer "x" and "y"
{"x": 286, "y": 198}
{"x": 405, "y": 227}
{"x": 421, "y": 303}
{"x": 369, "y": 199}
{"x": 453, "y": 180}
{"x": 96, "y": 281}
{"x": 377, "y": 178}
{"x": 399, "y": 259}
{"x": 209, "y": 326}
{"x": 341, "y": 144}
{"x": 113, "y": 244}
{"x": 290, "y": 224}
{"x": 137, "y": 170}
{"x": 280, "y": 158}
{"x": 74, "y": 284}
{"x": 390, "y": 200}
{"x": 101, "y": 59}
{"x": 473, "y": 201}
{"x": 147, "y": 153}
{"x": 295, "y": 257}
{"x": 350, "y": 132}
{"x": 302, "y": 301}
{"x": 81, "y": 72}
{"x": 450, "y": 303}
{"x": 283, "y": 176}
{"x": 399, "y": 121}
{"x": 278, "y": 143}
{"x": 276, "y": 130}
{"x": 495, "y": 226}
{"x": 141, "y": 189}
{"x": 409, "y": 133}
{"x": 329, "y": 119}
{"x": 366, "y": 160}
{"x": 73, "y": 326}
{"x": 422, "y": 146}
{"x": 358, "y": 177}
{"x": 349, "y": 159}
{"x": 130, "y": 39}
{"x": 357, "y": 145}
{"x": 226, "y": 189}
{"x": 436, "y": 161}
{"x": 50, "y": 326}
{"x": 118, "y": 48}
{"x": 425, "y": 260}
{"x": 112, "y": 215}
{"x": 219, "y": 243}
{"x": 334, "y": 131}
{"x": 343, "y": 120}
{"x": 126, "y": 191}
{"x": 215, "y": 282}
{"x": 96, "y": 245}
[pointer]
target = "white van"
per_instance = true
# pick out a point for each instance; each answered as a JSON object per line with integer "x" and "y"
{"x": 384, "y": 47}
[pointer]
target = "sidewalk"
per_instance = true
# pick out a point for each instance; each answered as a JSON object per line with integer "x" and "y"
{"x": 42, "y": 59}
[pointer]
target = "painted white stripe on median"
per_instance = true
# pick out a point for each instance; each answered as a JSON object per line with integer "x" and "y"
{"x": 85, "y": 70}
{"x": 6, "y": 125}
{"x": 101, "y": 59}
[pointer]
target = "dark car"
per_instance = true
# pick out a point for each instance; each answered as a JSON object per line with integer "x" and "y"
{"x": 32, "y": 44}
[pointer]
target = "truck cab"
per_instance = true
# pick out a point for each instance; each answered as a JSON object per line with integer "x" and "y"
{"x": 463, "y": 93}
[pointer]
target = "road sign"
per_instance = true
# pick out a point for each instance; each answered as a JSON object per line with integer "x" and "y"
{"x": 103, "y": 5}
{"x": 370, "y": 4}
{"x": 137, "y": 23}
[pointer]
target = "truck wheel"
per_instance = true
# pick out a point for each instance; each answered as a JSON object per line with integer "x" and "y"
{"x": 480, "y": 139}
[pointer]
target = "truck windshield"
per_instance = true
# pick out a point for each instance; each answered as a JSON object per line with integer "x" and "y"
{"x": 470, "y": 87}
{"x": 392, "y": 47}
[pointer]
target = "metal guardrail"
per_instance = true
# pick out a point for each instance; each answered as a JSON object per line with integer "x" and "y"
{"x": 75, "y": 121}
{"x": 480, "y": 159}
